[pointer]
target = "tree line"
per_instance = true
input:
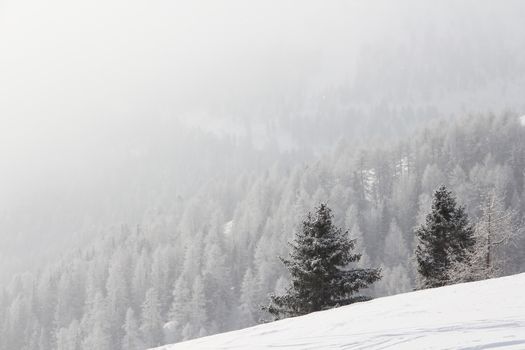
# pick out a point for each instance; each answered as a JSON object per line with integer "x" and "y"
{"x": 449, "y": 250}
{"x": 204, "y": 263}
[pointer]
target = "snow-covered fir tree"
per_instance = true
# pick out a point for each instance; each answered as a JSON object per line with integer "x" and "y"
{"x": 132, "y": 339}
{"x": 445, "y": 238}
{"x": 151, "y": 326}
{"x": 321, "y": 277}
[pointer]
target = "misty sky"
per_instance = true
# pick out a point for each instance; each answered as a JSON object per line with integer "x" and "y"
{"x": 79, "y": 75}
{"x": 78, "y": 72}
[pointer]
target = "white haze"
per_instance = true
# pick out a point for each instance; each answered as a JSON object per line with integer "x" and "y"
{"x": 85, "y": 85}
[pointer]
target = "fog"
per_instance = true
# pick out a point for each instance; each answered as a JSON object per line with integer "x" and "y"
{"x": 157, "y": 156}
{"x": 92, "y": 91}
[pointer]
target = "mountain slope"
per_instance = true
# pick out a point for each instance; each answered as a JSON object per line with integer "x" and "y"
{"x": 480, "y": 315}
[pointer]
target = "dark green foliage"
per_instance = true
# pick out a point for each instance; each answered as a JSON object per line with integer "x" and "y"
{"x": 446, "y": 238}
{"x": 318, "y": 265}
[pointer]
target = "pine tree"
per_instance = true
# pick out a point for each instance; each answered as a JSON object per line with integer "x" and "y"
{"x": 445, "y": 238}
{"x": 99, "y": 336}
{"x": 43, "y": 340}
{"x": 319, "y": 267}
{"x": 217, "y": 280}
{"x": 141, "y": 279}
{"x": 198, "y": 315}
{"x": 132, "y": 339}
{"x": 395, "y": 250}
{"x": 395, "y": 281}
{"x": 151, "y": 326}
{"x": 180, "y": 310}
{"x": 248, "y": 296}
{"x": 63, "y": 314}
{"x": 69, "y": 338}
{"x": 117, "y": 295}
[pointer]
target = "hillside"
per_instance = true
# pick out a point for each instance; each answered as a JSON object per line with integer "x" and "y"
{"x": 207, "y": 260}
{"x": 158, "y": 160}
{"x": 480, "y": 315}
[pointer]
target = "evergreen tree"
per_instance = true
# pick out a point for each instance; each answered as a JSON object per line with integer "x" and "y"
{"x": 99, "y": 337}
{"x": 198, "y": 317}
{"x": 62, "y": 342}
{"x": 445, "y": 238}
{"x": 160, "y": 276}
{"x": 117, "y": 295}
{"x": 43, "y": 340}
{"x": 141, "y": 279}
{"x": 69, "y": 338}
{"x": 216, "y": 279}
{"x": 180, "y": 310}
{"x": 395, "y": 251}
{"x": 151, "y": 326}
{"x": 132, "y": 339}
{"x": 319, "y": 268}
{"x": 248, "y": 313}
{"x": 395, "y": 281}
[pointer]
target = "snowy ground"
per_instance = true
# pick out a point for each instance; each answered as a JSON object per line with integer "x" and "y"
{"x": 480, "y": 315}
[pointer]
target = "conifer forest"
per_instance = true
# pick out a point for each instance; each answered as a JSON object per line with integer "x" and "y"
{"x": 172, "y": 170}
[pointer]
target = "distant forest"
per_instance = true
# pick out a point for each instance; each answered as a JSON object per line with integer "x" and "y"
{"x": 204, "y": 263}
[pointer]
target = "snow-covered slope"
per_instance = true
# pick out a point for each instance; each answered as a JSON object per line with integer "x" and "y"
{"x": 480, "y": 315}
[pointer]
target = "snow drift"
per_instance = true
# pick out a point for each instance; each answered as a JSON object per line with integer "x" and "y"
{"x": 480, "y": 315}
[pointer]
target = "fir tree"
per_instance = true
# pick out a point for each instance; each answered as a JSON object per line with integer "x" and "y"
{"x": 99, "y": 337}
{"x": 198, "y": 315}
{"x": 444, "y": 239}
{"x": 180, "y": 309}
{"x": 248, "y": 296}
{"x": 132, "y": 339}
{"x": 319, "y": 267}
{"x": 151, "y": 326}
